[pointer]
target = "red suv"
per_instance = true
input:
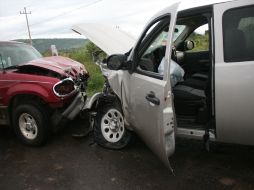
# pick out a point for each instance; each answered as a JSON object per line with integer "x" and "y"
{"x": 38, "y": 94}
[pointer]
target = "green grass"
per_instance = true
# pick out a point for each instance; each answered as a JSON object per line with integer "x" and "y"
{"x": 95, "y": 84}
{"x": 96, "y": 80}
{"x": 201, "y": 42}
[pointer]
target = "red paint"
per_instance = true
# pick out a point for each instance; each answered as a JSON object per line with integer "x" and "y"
{"x": 13, "y": 82}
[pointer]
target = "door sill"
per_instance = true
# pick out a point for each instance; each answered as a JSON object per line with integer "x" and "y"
{"x": 194, "y": 133}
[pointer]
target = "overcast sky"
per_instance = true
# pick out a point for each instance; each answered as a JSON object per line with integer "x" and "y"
{"x": 54, "y": 18}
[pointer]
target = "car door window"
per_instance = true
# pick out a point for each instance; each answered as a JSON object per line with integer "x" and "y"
{"x": 154, "y": 54}
{"x": 238, "y": 34}
{"x": 152, "y": 48}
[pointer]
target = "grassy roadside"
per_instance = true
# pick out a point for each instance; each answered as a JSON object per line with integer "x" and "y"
{"x": 96, "y": 80}
{"x": 84, "y": 56}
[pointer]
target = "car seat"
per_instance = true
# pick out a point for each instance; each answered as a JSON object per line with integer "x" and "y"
{"x": 197, "y": 80}
{"x": 191, "y": 101}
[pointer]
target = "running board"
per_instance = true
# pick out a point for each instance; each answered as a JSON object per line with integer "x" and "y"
{"x": 194, "y": 133}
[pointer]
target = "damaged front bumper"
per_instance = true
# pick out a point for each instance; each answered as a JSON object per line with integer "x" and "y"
{"x": 75, "y": 107}
{"x": 59, "y": 118}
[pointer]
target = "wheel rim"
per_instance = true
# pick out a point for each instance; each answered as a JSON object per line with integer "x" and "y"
{"x": 112, "y": 126}
{"x": 28, "y": 126}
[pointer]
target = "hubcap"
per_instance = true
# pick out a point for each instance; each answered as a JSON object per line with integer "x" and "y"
{"x": 112, "y": 126}
{"x": 28, "y": 126}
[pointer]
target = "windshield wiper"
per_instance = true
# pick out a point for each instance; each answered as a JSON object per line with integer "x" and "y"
{"x": 4, "y": 68}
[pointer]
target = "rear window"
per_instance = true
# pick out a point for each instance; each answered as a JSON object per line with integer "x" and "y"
{"x": 200, "y": 37}
{"x": 238, "y": 34}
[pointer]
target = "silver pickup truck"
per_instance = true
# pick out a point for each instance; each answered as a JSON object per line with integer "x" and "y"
{"x": 214, "y": 45}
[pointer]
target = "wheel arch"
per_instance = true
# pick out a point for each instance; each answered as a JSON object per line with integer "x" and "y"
{"x": 109, "y": 99}
{"x": 100, "y": 99}
{"x": 44, "y": 92}
{"x": 23, "y": 98}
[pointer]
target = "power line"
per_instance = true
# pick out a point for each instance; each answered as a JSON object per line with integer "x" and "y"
{"x": 31, "y": 3}
{"x": 26, "y": 13}
{"x": 59, "y": 15}
{"x": 67, "y": 12}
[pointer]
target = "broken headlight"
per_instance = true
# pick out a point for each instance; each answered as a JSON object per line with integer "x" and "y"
{"x": 64, "y": 88}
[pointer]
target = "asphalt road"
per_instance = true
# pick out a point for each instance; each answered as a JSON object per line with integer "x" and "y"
{"x": 69, "y": 163}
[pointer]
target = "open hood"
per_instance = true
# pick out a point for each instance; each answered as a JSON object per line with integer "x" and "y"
{"x": 109, "y": 38}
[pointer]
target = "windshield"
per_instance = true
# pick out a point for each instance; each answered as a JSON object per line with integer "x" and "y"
{"x": 16, "y": 54}
{"x": 162, "y": 38}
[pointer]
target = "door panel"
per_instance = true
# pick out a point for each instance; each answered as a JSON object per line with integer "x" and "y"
{"x": 234, "y": 92}
{"x": 5, "y": 84}
{"x": 151, "y": 104}
{"x": 154, "y": 123}
{"x": 234, "y": 103}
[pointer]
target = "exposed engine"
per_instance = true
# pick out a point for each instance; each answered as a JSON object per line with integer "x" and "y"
{"x": 34, "y": 70}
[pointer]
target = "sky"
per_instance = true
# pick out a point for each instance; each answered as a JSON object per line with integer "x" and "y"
{"x": 54, "y": 18}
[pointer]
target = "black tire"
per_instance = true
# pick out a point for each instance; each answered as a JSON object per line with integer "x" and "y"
{"x": 40, "y": 119}
{"x": 98, "y": 135}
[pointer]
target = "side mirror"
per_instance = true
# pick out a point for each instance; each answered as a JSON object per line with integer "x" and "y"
{"x": 117, "y": 62}
{"x": 189, "y": 45}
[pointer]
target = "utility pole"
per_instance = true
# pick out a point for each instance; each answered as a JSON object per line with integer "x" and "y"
{"x": 26, "y": 13}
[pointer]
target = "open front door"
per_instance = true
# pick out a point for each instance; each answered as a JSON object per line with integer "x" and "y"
{"x": 150, "y": 91}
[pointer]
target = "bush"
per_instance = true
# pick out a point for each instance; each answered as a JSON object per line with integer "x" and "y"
{"x": 85, "y": 56}
{"x": 95, "y": 83}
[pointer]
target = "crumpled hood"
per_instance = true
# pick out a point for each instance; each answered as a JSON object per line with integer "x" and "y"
{"x": 62, "y": 65}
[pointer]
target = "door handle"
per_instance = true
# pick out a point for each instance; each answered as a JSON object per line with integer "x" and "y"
{"x": 152, "y": 98}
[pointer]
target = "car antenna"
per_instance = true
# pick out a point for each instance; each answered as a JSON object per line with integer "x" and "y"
{"x": 2, "y": 62}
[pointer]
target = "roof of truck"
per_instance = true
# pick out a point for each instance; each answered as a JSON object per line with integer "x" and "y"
{"x": 196, "y": 4}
